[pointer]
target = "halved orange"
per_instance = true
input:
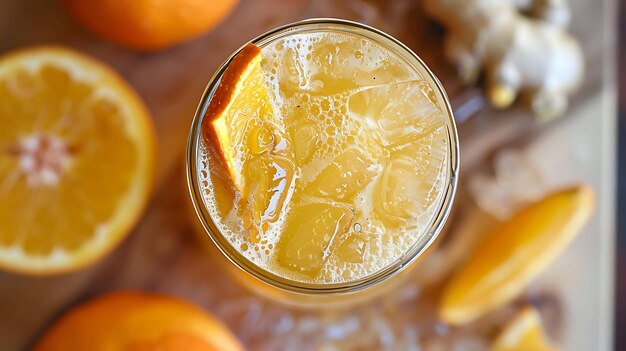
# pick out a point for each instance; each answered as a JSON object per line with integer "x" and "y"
{"x": 76, "y": 160}
{"x": 514, "y": 253}
{"x": 524, "y": 333}
{"x": 136, "y": 321}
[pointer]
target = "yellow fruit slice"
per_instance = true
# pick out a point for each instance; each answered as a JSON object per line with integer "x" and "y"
{"x": 514, "y": 253}
{"x": 241, "y": 126}
{"x": 135, "y": 321}
{"x": 523, "y": 333}
{"x": 76, "y": 160}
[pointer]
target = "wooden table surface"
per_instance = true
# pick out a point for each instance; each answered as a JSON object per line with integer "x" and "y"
{"x": 163, "y": 254}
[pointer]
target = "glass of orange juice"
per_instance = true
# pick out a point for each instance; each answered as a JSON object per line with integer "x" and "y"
{"x": 322, "y": 161}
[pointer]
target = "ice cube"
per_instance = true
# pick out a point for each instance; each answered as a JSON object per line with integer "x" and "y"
{"x": 346, "y": 175}
{"x": 412, "y": 179}
{"x": 269, "y": 178}
{"x": 350, "y": 64}
{"x": 352, "y": 249}
{"x": 295, "y": 71}
{"x": 306, "y": 140}
{"x": 311, "y": 234}
{"x": 260, "y": 138}
{"x": 400, "y": 112}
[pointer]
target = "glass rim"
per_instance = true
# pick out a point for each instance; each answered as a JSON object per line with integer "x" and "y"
{"x": 291, "y": 285}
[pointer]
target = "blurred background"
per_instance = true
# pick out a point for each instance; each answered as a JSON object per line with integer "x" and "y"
{"x": 620, "y": 311}
{"x": 511, "y": 156}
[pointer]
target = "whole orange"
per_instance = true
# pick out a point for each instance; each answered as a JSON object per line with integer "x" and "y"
{"x": 149, "y": 24}
{"x": 136, "y": 321}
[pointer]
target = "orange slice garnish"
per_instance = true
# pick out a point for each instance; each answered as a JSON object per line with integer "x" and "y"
{"x": 241, "y": 96}
{"x": 241, "y": 126}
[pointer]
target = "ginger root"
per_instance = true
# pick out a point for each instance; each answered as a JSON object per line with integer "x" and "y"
{"x": 521, "y": 46}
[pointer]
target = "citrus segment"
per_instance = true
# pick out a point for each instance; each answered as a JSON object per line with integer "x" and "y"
{"x": 523, "y": 333}
{"x": 76, "y": 160}
{"x": 137, "y": 321}
{"x": 514, "y": 253}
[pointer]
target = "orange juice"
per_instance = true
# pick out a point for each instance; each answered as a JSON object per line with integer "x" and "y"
{"x": 344, "y": 176}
